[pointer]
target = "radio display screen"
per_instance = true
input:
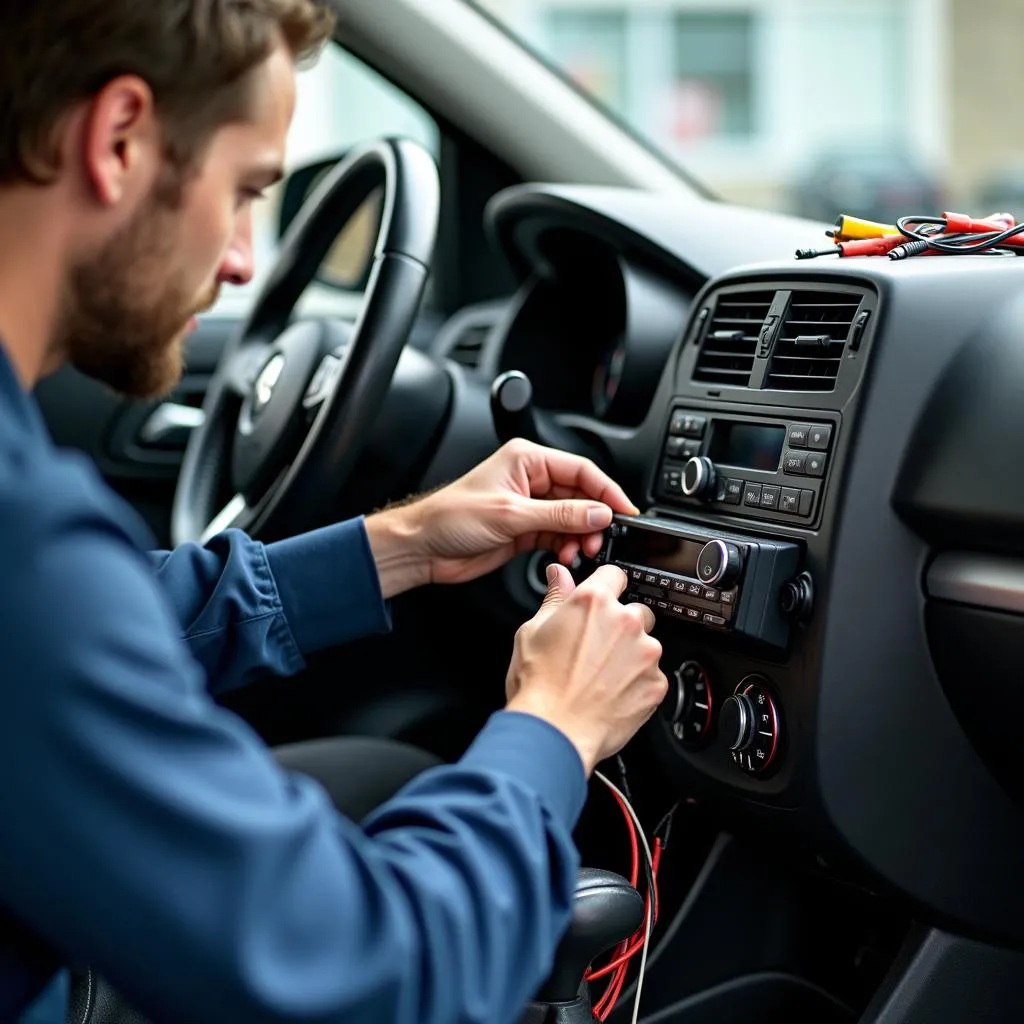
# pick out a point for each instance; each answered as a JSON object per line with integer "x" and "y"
{"x": 748, "y": 445}
{"x": 658, "y": 551}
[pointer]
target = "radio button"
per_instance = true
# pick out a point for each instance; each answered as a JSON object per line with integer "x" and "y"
{"x": 713, "y": 620}
{"x": 733, "y": 491}
{"x": 820, "y": 437}
{"x": 806, "y": 502}
{"x": 693, "y": 613}
{"x": 798, "y": 434}
{"x": 651, "y": 577}
{"x": 816, "y": 464}
{"x": 719, "y": 562}
{"x": 794, "y": 463}
{"x": 635, "y": 574}
{"x": 789, "y": 501}
{"x": 728, "y": 597}
{"x": 679, "y": 585}
{"x": 664, "y": 582}
{"x": 663, "y": 605}
{"x": 693, "y": 426}
{"x": 769, "y": 496}
{"x": 709, "y": 594}
{"x": 752, "y": 494}
{"x": 694, "y": 590}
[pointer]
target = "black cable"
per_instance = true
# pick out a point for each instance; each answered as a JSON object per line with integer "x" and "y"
{"x": 955, "y": 244}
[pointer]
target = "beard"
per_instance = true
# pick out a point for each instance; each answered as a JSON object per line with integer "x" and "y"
{"x": 127, "y": 307}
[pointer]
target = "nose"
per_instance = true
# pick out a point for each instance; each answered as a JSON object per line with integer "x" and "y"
{"x": 237, "y": 265}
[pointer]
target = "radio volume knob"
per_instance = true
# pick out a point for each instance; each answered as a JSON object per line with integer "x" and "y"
{"x": 719, "y": 564}
{"x": 699, "y": 478}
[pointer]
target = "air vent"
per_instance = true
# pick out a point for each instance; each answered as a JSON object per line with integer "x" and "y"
{"x": 812, "y": 340}
{"x": 468, "y": 347}
{"x": 727, "y": 354}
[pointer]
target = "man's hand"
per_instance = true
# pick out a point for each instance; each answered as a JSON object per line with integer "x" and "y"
{"x": 522, "y": 498}
{"x": 586, "y": 664}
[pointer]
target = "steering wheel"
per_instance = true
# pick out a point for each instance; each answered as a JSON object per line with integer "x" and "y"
{"x": 292, "y": 400}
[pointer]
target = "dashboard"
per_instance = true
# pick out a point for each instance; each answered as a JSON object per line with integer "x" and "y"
{"x": 832, "y": 536}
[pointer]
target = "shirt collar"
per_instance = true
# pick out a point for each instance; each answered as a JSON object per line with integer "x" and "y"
{"x": 13, "y": 399}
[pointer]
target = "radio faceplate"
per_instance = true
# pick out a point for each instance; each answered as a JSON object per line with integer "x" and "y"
{"x": 688, "y": 574}
{"x": 769, "y": 468}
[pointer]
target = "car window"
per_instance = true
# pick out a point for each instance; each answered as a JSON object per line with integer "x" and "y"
{"x": 340, "y": 102}
{"x": 756, "y": 97}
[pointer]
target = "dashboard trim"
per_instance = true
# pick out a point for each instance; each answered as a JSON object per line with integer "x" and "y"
{"x": 983, "y": 581}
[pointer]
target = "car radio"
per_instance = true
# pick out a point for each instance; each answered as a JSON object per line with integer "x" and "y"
{"x": 715, "y": 580}
{"x": 765, "y": 468}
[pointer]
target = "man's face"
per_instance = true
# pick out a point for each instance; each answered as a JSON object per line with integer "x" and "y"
{"x": 130, "y": 304}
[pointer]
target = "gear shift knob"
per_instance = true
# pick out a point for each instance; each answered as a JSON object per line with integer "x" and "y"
{"x": 606, "y": 910}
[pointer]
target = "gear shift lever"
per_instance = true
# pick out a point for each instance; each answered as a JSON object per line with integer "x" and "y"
{"x": 606, "y": 910}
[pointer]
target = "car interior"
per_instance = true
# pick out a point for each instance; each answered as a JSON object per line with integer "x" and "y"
{"x": 830, "y": 533}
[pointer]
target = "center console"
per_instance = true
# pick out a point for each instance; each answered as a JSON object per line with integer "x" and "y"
{"x": 731, "y": 553}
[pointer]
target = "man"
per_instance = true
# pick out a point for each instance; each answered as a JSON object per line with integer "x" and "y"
{"x": 145, "y": 830}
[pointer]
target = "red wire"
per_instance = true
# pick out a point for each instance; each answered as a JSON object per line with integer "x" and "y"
{"x": 625, "y": 951}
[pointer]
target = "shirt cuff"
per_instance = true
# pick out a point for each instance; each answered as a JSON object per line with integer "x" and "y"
{"x": 328, "y": 584}
{"x": 536, "y": 754}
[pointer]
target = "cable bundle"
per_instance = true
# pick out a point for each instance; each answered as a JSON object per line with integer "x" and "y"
{"x": 951, "y": 234}
{"x": 618, "y": 966}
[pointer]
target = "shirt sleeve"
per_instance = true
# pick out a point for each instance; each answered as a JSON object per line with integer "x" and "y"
{"x": 246, "y": 609}
{"x": 157, "y": 840}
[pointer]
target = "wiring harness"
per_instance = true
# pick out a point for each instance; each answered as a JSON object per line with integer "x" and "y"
{"x": 617, "y": 968}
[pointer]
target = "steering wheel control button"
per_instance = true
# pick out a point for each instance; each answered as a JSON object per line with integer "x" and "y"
{"x": 699, "y": 478}
{"x": 819, "y": 437}
{"x": 691, "y": 701}
{"x": 798, "y": 434}
{"x": 751, "y": 725}
{"x": 719, "y": 562}
{"x": 752, "y": 494}
{"x": 815, "y": 464}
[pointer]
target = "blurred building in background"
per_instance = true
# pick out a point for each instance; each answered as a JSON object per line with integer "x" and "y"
{"x": 878, "y": 105}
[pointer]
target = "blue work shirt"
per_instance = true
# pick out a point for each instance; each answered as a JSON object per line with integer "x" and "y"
{"x": 149, "y": 833}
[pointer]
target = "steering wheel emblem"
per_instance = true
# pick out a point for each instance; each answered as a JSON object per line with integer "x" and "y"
{"x": 263, "y": 389}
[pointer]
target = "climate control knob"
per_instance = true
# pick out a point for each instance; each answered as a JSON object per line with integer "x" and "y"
{"x": 688, "y": 704}
{"x": 719, "y": 564}
{"x": 699, "y": 478}
{"x": 736, "y": 722}
{"x": 750, "y": 724}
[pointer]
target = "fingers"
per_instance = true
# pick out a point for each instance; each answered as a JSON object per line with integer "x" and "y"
{"x": 608, "y": 579}
{"x": 644, "y": 614}
{"x": 573, "y": 516}
{"x": 560, "y": 586}
{"x": 547, "y": 468}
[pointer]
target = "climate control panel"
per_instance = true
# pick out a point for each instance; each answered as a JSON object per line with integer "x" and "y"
{"x": 745, "y": 726}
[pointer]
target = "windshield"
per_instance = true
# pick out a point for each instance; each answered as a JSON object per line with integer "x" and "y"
{"x": 878, "y": 108}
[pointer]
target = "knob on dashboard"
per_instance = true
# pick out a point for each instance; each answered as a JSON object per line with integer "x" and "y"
{"x": 699, "y": 478}
{"x": 737, "y": 722}
{"x": 719, "y": 564}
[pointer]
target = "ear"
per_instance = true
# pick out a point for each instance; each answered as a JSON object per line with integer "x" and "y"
{"x": 121, "y": 139}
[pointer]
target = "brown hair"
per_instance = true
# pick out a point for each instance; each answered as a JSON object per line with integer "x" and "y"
{"x": 194, "y": 55}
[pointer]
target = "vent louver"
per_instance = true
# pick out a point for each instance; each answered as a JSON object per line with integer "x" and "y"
{"x": 727, "y": 353}
{"x": 810, "y": 346}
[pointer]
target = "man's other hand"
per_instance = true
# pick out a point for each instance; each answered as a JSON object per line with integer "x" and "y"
{"x": 587, "y": 664}
{"x": 524, "y": 497}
